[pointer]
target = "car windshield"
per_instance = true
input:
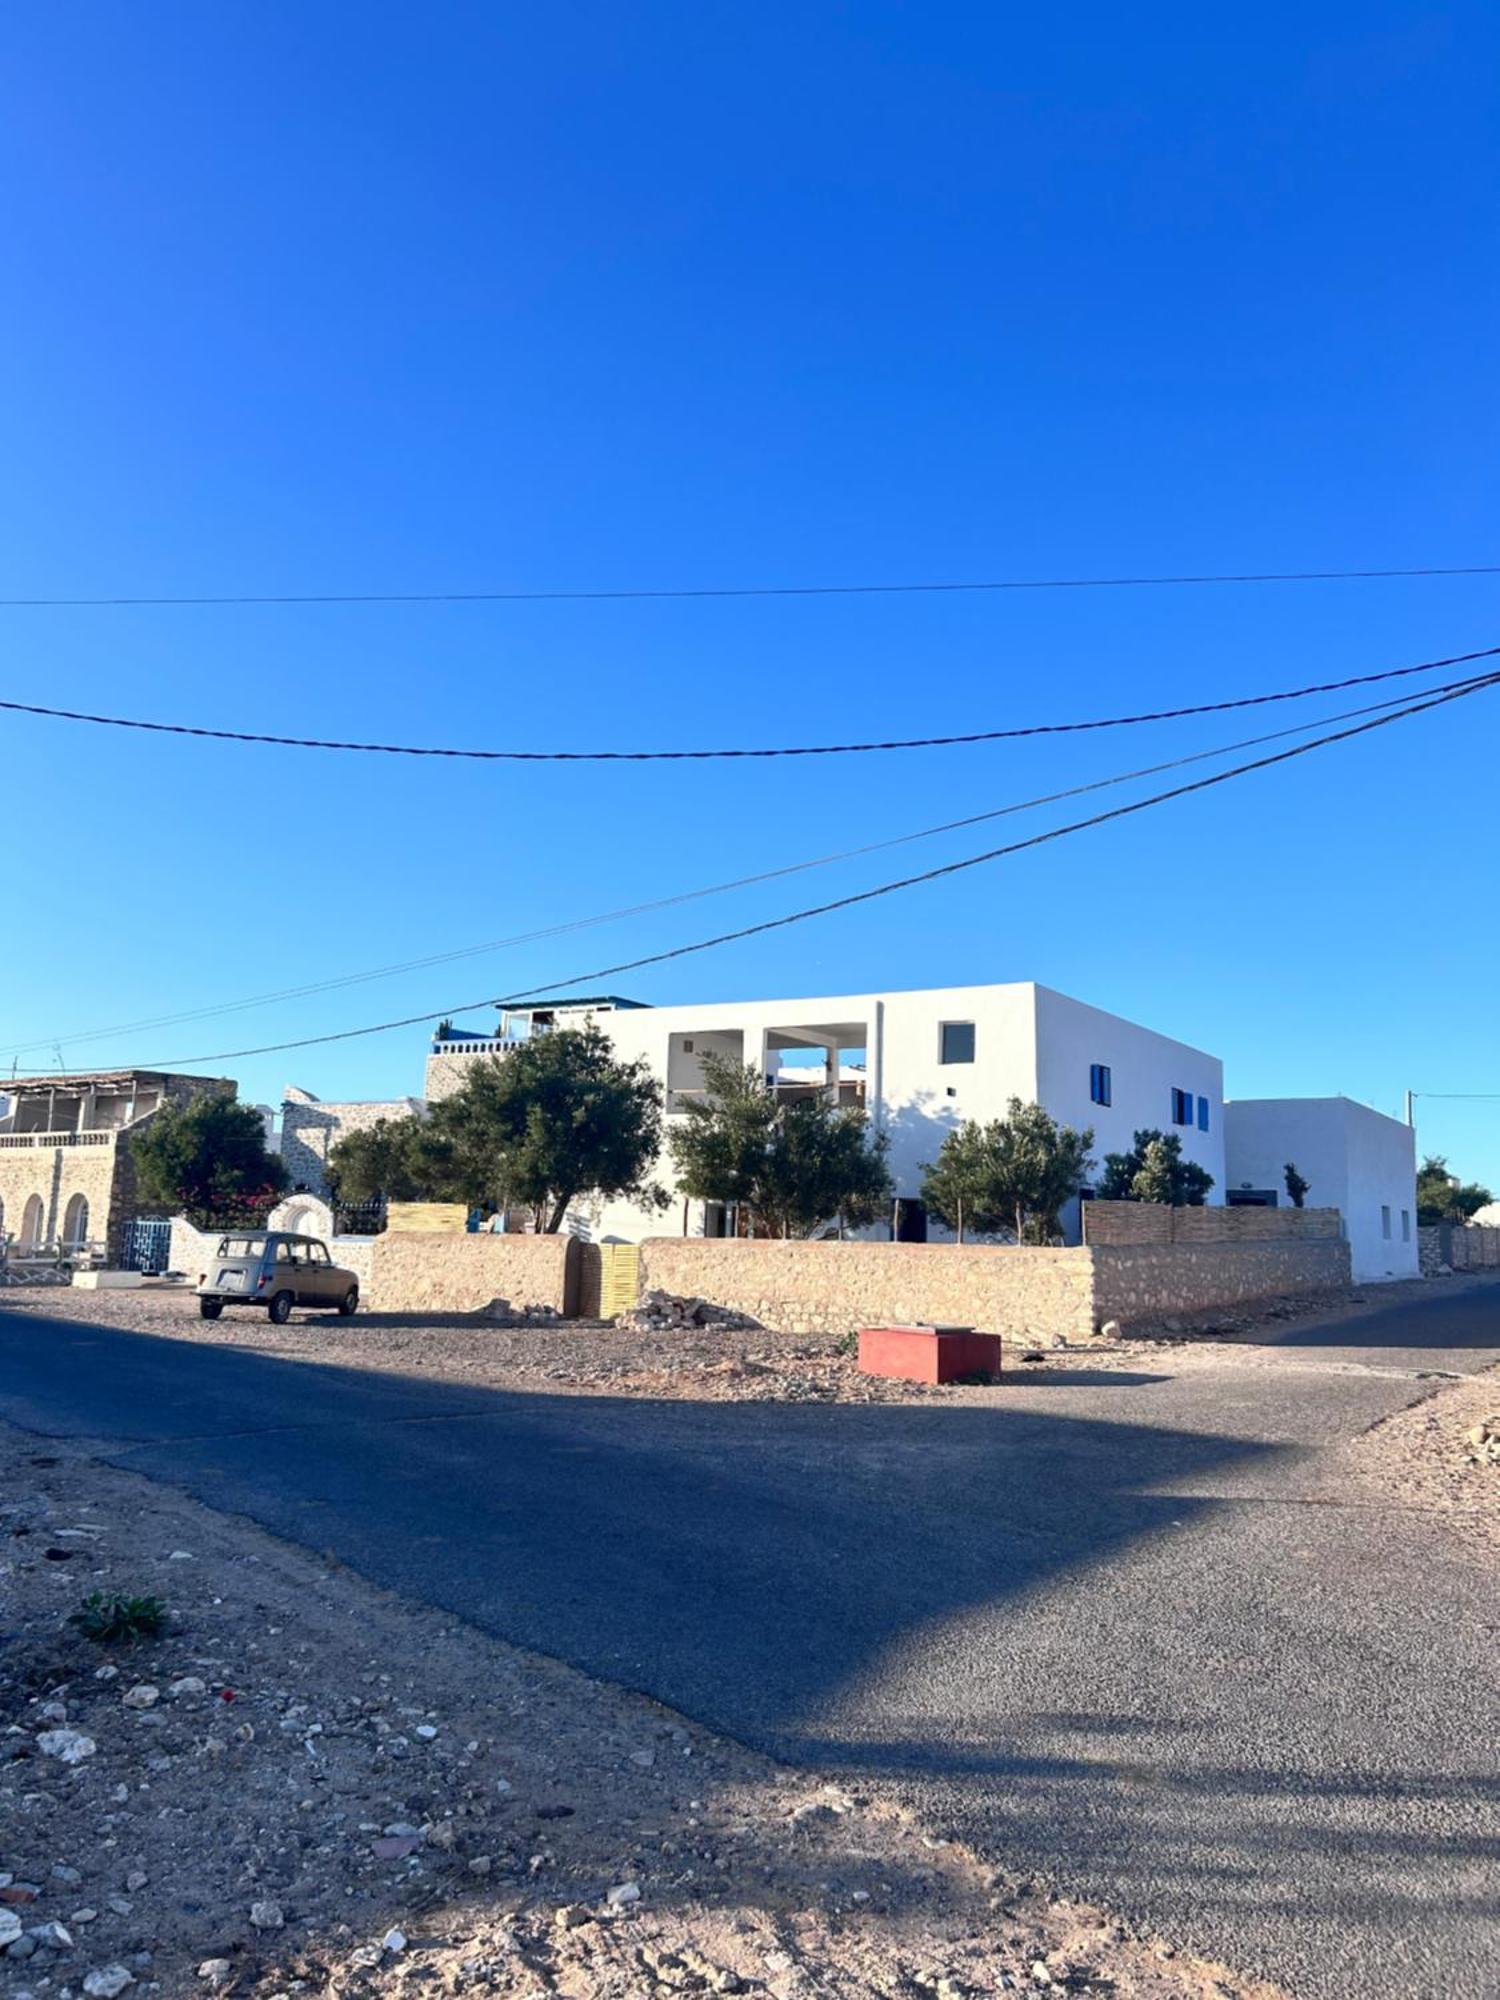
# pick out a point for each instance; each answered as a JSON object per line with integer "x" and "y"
{"x": 241, "y": 1246}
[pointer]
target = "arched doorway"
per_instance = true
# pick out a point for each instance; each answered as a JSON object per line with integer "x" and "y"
{"x": 76, "y": 1223}
{"x": 33, "y": 1222}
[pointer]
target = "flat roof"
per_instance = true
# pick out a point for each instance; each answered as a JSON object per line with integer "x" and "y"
{"x": 92, "y": 1078}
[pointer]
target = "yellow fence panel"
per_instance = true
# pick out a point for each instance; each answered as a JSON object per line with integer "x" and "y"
{"x": 619, "y": 1278}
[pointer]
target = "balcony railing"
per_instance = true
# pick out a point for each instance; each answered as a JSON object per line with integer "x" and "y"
{"x": 497, "y": 1045}
{"x": 20, "y": 1139}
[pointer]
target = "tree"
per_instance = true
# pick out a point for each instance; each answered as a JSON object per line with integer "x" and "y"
{"x": 1153, "y": 1179}
{"x": 1296, "y": 1186}
{"x": 208, "y": 1158}
{"x": 388, "y": 1158}
{"x": 790, "y": 1167}
{"x": 1442, "y": 1197}
{"x": 1181, "y": 1182}
{"x": 959, "y": 1186}
{"x": 1018, "y": 1170}
{"x": 553, "y": 1119}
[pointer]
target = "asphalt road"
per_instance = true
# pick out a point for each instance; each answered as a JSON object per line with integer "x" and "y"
{"x": 1128, "y": 1630}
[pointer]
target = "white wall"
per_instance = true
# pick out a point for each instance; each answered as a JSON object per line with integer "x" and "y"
{"x": 1355, "y": 1160}
{"x": 1144, "y": 1069}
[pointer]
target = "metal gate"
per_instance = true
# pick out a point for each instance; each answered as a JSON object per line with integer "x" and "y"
{"x": 147, "y": 1245}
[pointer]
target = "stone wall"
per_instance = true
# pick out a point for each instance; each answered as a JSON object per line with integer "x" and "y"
{"x": 56, "y": 1174}
{"x": 1141, "y": 1283}
{"x": 417, "y": 1272}
{"x": 835, "y": 1287}
{"x": 1114, "y": 1223}
{"x": 310, "y": 1129}
{"x": 1449, "y": 1247}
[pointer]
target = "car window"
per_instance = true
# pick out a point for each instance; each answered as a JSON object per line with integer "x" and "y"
{"x": 241, "y": 1246}
{"x": 316, "y": 1254}
{"x": 286, "y": 1253}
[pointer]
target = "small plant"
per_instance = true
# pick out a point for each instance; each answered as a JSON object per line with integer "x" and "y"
{"x": 111, "y": 1619}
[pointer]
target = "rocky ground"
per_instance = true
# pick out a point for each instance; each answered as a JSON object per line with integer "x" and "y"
{"x": 1443, "y": 1455}
{"x": 304, "y": 1785}
{"x": 740, "y": 1363}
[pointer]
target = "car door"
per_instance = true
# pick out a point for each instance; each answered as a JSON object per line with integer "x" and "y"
{"x": 320, "y": 1275}
{"x": 288, "y": 1273}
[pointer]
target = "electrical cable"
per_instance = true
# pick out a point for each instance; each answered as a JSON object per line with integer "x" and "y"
{"x": 695, "y": 756}
{"x": 1456, "y": 692}
{"x": 53, "y": 1040}
{"x": 749, "y": 590}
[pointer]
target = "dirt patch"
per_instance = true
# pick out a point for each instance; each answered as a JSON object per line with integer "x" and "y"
{"x": 1427, "y": 1456}
{"x": 306, "y": 1785}
{"x": 702, "y": 1363}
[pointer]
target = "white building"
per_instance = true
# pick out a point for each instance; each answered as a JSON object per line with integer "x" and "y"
{"x": 1354, "y": 1159}
{"x": 919, "y": 1062}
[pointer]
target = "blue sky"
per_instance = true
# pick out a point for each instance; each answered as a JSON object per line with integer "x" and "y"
{"x": 343, "y": 298}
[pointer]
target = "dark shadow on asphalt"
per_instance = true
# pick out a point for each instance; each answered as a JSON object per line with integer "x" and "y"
{"x": 1078, "y": 1378}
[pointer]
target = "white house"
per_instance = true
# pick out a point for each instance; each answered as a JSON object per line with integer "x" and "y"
{"x": 920, "y": 1063}
{"x": 1354, "y": 1159}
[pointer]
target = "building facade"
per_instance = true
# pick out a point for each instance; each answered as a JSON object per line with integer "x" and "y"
{"x": 67, "y": 1179}
{"x": 1354, "y": 1159}
{"x": 920, "y": 1063}
{"x": 310, "y": 1129}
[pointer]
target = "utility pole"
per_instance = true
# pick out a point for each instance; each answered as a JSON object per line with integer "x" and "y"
{"x": 1411, "y": 1099}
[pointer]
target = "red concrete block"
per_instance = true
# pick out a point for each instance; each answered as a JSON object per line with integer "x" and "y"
{"x": 928, "y": 1353}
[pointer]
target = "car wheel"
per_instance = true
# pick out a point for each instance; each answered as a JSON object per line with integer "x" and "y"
{"x": 210, "y": 1308}
{"x": 349, "y": 1303}
{"x": 280, "y": 1308}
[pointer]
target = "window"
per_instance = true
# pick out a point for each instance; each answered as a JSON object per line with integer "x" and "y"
{"x": 1406, "y": 1225}
{"x": 76, "y": 1223}
{"x": 1182, "y": 1107}
{"x": 1100, "y": 1084}
{"x": 1385, "y": 1223}
{"x": 956, "y": 1042}
{"x": 1202, "y": 1114}
{"x": 316, "y": 1254}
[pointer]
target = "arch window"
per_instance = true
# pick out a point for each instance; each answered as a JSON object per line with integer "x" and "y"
{"x": 76, "y": 1222}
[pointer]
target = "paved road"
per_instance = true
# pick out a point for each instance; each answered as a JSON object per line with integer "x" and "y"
{"x": 1124, "y": 1628}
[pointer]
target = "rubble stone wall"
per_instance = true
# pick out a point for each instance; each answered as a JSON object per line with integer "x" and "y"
{"x": 1141, "y": 1283}
{"x": 1450, "y": 1247}
{"x": 417, "y": 1271}
{"x": 837, "y": 1287}
{"x": 1113, "y": 1223}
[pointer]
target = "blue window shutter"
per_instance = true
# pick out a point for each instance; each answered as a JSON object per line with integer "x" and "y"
{"x": 1202, "y": 1114}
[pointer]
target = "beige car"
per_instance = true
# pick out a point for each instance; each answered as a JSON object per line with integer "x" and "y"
{"x": 269, "y": 1268}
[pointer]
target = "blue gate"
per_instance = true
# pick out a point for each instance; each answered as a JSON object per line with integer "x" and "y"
{"x": 148, "y": 1244}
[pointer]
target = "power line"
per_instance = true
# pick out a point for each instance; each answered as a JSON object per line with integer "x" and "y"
{"x": 748, "y": 590}
{"x": 51, "y": 1039}
{"x": 802, "y": 750}
{"x": 1438, "y": 699}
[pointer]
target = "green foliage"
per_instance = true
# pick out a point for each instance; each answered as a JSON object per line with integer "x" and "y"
{"x": 111, "y": 1619}
{"x": 959, "y": 1187}
{"x": 1442, "y": 1197}
{"x": 1014, "y": 1173}
{"x": 556, "y": 1118}
{"x": 1296, "y": 1185}
{"x": 1163, "y": 1176}
{"x": 392, "y": 1157}
{"x": 793, "y": 1166}
{"x": 207, "y": 1157}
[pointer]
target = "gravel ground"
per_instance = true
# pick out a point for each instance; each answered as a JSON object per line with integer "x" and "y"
{"x": 1424, "y": 1456}
{"x": 707, "y": 1364}
{"x": 306, "y": 1785}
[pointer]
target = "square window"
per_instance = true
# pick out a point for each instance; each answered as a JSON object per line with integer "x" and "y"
{"x": 1101, "y": 1084}
{"x": 1385, "y": 1223}
{"x": 956, "y": 1042}
{"x": 1202, "y": 1114}
{"x": 1182, "y": 1107}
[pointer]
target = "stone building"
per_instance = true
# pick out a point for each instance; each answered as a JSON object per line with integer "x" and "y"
{"x": 66, "y": 1173}
{"x": 310, "y": 1129}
